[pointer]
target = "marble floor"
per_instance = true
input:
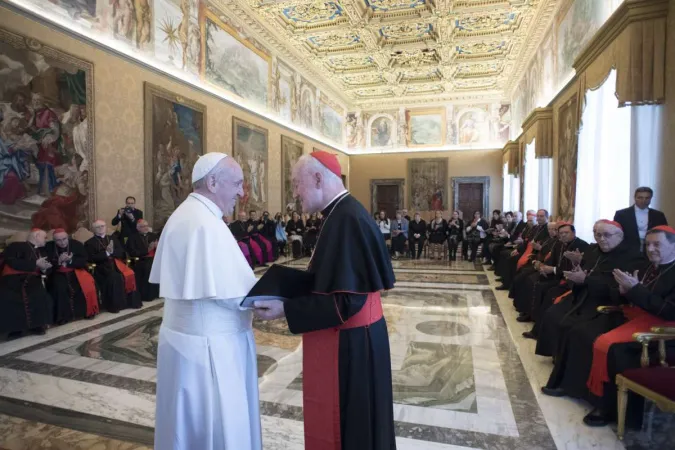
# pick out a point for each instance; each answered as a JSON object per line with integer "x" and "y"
{"x": 463, "y": 378}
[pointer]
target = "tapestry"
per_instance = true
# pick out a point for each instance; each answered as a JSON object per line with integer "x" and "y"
{"x": 175, "y": 137}
{"x": 250, "y": 144}
{"x": 46, "y": 137}
{"x": 567, "y": 159}
{"x": 291, "y": 151}
{"x": 428, "y": 184}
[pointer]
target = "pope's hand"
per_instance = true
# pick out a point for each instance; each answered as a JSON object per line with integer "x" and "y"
{"x": 269, "y": 310}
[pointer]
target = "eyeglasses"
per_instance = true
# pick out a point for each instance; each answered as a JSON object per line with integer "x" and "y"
{"x": 604, "y": 235}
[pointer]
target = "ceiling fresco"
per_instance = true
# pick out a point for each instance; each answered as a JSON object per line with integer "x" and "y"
{"x": 405, "y": 52}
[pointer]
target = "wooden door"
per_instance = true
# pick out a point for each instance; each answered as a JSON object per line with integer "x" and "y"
{"x": 388, "y": 199}
{"x": 470, "y": 199}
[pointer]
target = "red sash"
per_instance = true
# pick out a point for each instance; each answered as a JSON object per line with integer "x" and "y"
{"x": 9, "y": 271}
{"x": 88, "y": 286}
{"x": 129, "y": 277}
{"x": 526, "y": 256}
{"x": 321, "y": 388}
{"x": 151, "y": 253}
{"x": 639, "y": 320}
{"x": 560, "y": 298}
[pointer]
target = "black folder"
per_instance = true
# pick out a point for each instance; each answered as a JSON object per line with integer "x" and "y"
{"x": 279, "y": 283}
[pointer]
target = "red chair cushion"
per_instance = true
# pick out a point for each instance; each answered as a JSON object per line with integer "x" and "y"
{"x": 658, "y": 379}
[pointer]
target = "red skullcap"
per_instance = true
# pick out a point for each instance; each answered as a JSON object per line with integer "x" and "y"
{"x": 664, "y": 228}
{"x": 59, "y": 230}
{"x": 564, "y": 224}
{"x": 142, "y": 222}
{"x": 33, "y": 230}
{"x": 611, "y": 222}
{"x": 329, "y": 160}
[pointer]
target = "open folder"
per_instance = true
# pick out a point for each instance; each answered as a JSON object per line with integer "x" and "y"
{"x": 280, "y": 283}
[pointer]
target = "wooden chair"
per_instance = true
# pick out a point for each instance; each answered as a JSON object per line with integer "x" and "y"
{"x": 653, "y": 383}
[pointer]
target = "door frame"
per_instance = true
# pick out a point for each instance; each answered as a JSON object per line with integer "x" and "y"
{"x": 485, "y": 181}
{"x": 400, "y": 182}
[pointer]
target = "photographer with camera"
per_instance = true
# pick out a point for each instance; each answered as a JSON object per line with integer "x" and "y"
{"x": 129, "y": 216}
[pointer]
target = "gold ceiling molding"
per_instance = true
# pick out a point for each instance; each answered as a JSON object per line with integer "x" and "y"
{"x": 539, "y": 126}
{"x": 511, "y": 154}
{"x": 632, "y": 41}
{"x": 361, "y": 50}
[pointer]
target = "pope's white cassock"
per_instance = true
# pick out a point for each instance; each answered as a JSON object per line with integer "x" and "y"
{"x": 207, "y": 377}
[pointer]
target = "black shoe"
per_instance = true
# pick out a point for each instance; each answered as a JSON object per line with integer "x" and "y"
{"x": 596, "y": 418}
{"x": 553, "y": 392}
{"x": 502, "y": 288}
{"x": 499, "y": 280}
{"x": 523, "y": 317}
{"x": 529, "y": 335}
{"x": 492, "y": 268}
{"x": 14, "y": 335}
{"x": 40, "y": 331}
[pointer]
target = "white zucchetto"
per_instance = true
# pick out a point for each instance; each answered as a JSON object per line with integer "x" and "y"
{"x": 205, "y": 164}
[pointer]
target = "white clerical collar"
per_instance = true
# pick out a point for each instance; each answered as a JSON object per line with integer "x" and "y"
{"x": 638, "y": 209}
{"x": 215, "y": 210}
{"x": 334, "y": 198}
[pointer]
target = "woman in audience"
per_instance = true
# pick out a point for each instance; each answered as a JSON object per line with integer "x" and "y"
{"x": 399, "y": 235}
{"x": 295, "y": 229}
{"x": 385, "y": 225}
{"x": 437, "y": 235}
{"x": 475, "y": 233}
{"x": 455, "y": 235}
{"x": 280, "y": 233}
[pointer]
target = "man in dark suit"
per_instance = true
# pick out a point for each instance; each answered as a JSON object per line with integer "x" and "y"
{"x": 129, "y": 216}
{"x": 639, "y": 218}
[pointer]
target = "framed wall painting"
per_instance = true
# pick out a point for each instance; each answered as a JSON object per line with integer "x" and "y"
{"x": 426, "y": 127}
{"x": 291, "y": 151}
{"x": 175, "y": 137}
{"x": 250, "y": 149}
{"x": 47, "y": 171}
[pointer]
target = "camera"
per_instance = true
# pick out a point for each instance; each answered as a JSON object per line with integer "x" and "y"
{"x": 128, "y": 210}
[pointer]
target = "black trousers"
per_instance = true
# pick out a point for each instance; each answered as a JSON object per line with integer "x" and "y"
{"x": 453, "y": 245}
{"x": 398, "y": 243}
{"x": 416, "y": 246}
{"x": 474, "y": 248}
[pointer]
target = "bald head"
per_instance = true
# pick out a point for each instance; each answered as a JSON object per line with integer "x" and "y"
{"x": 552, "y": 229}
{"x": 38, "y": 238}
{"x": 99, "y": 228}
{"x": 314, "y": 184}
{"x": 222, "y": 185}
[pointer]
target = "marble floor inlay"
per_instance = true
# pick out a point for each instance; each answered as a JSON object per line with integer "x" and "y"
{"x": 458, "y": 379}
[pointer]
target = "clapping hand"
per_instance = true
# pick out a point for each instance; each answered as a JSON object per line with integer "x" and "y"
{"x": 153, "y": 245}
{"x": 43, "y": 264}
{"x": 536, "y": 245}
{"x": 576, "y": 276}
{"x": 574, "y": 256}
{"x": 514, "y": 253}
{"x": 545, "y": 270}
{"x": 111, "y": 247}
{"x": 260, "y": 227}
{"x": 250, "y": 228}
{"x": 269, "y": 310}
{"x": 63, "y": 257}
{"x": 625, "y": 280}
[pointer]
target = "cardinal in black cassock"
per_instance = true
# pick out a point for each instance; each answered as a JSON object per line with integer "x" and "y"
{"x": 142, "y": 245}
{"x": 593, "y": 285}
{"x": 347, "y": 384}
{"x": 116, "y": 281}
{"x": 241, "y": 230}
{"x": 533, "y": 292}
{"x": 70, "y": 285}
{"x": 594, "y": 352}
{"x": 257, "y": 227}
{"x": 25, "y": 304}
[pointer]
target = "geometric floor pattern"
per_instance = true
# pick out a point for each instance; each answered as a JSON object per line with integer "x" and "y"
{"x": 460, "y": 379}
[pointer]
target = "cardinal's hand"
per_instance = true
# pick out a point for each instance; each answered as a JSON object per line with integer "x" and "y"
{"x": 269, "y": 310}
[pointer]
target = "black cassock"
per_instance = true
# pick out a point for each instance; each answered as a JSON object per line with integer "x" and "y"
{"x": 599, "y": 289}
{"x": 64, "y": 287}
{"x": 532, "y": 293}
{"x": 269, "y": 232}
{"x": 351, "y": 266}
{"x": 519, "y": 283}
{"x": 239, "y": 230}
{"x": 25, "y": 304}
{"x": 108, "y": 277}
{"x": 508, "y": 266}
{"x": 575, "y": 354}
{"x": 138, "y": 246}
{"x": 256, "y": 235}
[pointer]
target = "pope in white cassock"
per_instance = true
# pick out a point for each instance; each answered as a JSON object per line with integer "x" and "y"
{"x": 207, "y": 377}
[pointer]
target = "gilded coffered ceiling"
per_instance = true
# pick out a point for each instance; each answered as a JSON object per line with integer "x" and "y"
{"x": 402, "y": 52}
